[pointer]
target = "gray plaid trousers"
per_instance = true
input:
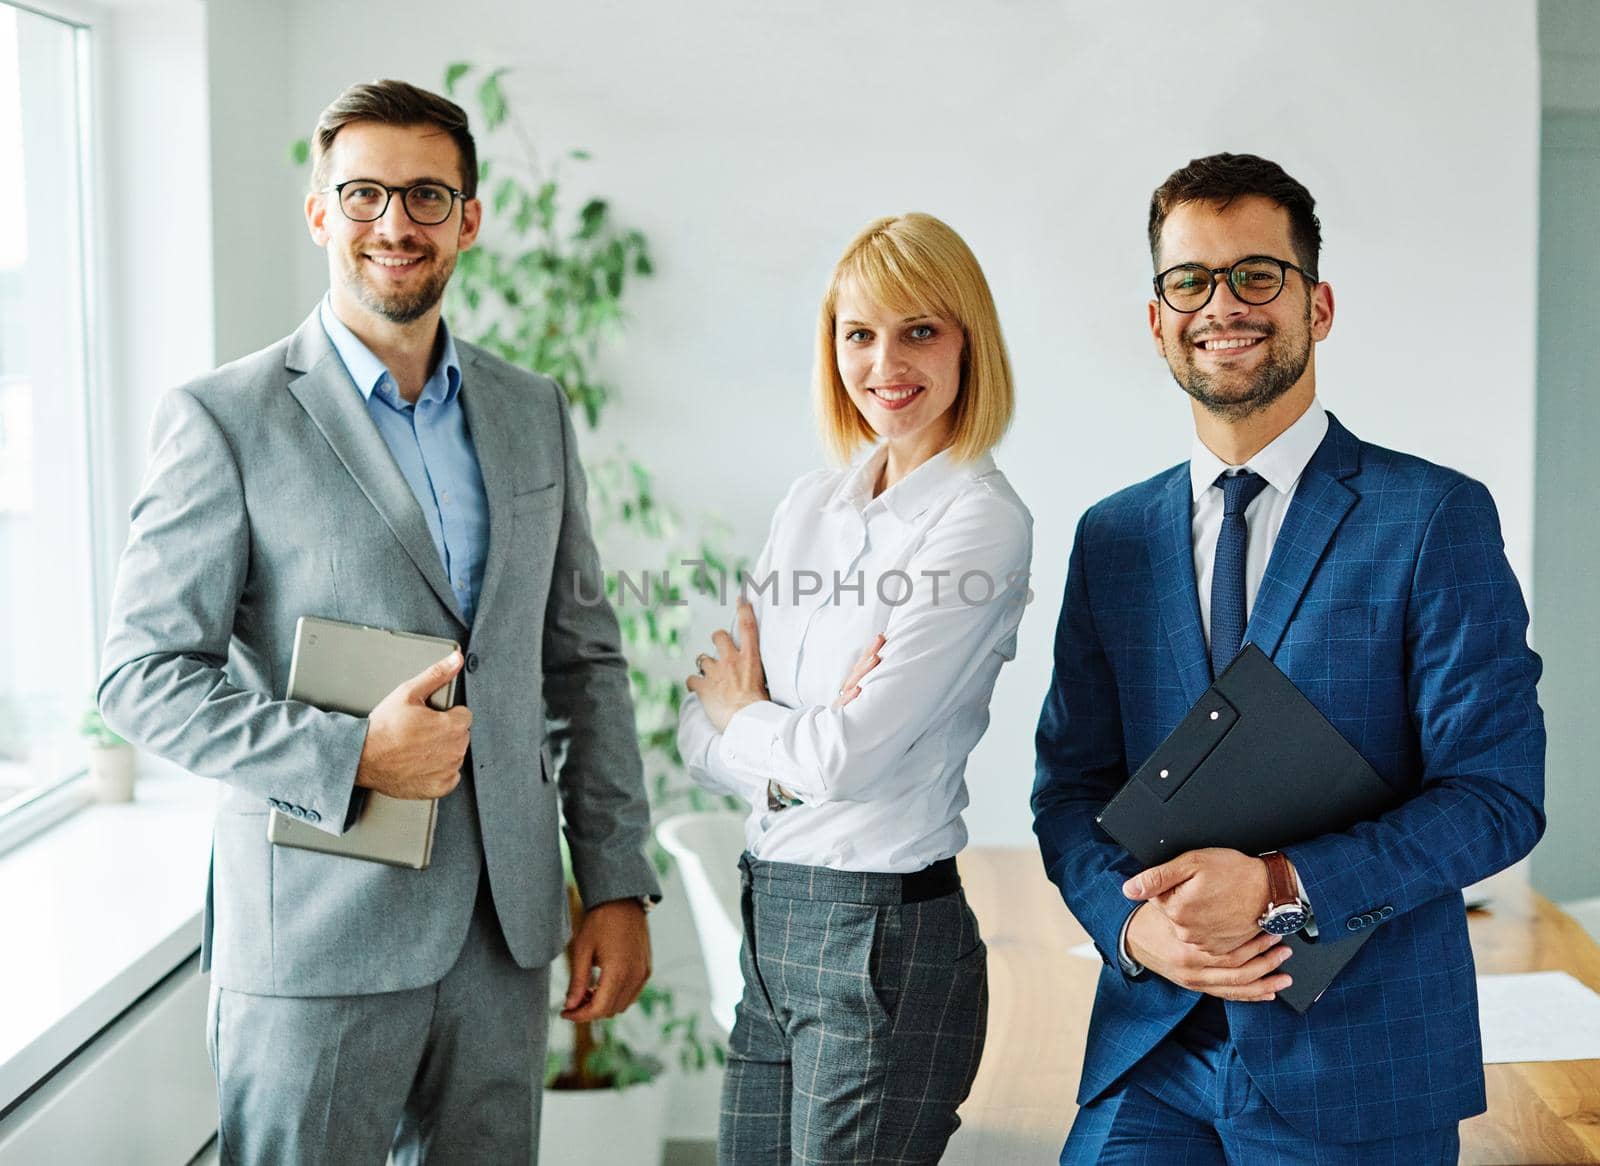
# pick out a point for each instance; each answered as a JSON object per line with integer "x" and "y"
{"x": 861, "y": 1025}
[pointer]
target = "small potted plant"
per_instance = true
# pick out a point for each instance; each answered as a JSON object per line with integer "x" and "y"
{"x": 607, "y": 1081}
{"x": 111, "y": 759}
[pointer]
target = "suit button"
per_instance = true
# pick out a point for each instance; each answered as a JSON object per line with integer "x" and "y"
{"x": 297, "y": 811}
{"x": 472, "y": 661}
{"x": 1352, "y": 924}
{"x": 313, "y": 816}
{"x": 1385, "y": 912}
{"x": 275, "y": 803}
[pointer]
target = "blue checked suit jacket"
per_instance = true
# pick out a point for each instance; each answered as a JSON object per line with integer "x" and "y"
{"x": 1388, "y": 601}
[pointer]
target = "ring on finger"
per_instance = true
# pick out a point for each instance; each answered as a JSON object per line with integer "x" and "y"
{"x": 700, "y": 663}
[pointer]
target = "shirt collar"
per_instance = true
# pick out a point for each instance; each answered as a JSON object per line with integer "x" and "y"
{"x": 912, "y": 494}
{"x": 370, "y": 373}
{"x": 1281, "y": 462}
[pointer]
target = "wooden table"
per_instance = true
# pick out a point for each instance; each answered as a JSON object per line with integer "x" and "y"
{"x": 1039, "y": 998}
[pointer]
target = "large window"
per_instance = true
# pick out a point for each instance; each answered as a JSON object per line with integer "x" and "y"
{"x": 47, "y": 598}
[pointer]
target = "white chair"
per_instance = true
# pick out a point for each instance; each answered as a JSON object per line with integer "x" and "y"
{"x": 706, "y": 848}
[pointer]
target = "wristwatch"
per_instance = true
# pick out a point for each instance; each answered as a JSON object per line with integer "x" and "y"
{"x": 1286, "y": 911}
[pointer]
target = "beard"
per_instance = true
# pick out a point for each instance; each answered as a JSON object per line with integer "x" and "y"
{"x": 1234, "y": 395}
{"x": 393, "y": 304}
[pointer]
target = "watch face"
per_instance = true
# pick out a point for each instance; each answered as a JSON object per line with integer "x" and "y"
{"x": 1285, "y": 919}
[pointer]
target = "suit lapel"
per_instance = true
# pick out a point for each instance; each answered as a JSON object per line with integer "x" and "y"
{"x": 1168, "y": 524}
{"x": 322, "y": 385}
{"x": 489, "y": 421}
{"x": 1320, "y": 503}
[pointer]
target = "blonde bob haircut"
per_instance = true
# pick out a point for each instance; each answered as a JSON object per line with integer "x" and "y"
{"x": 916, "y": 264}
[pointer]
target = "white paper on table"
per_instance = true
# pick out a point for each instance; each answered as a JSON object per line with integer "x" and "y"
{"x": 1538, "y": 1016}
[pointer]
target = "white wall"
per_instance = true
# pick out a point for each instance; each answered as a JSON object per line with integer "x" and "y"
{"x": 751, "y": 141}
{"x": 155, "y": 239}
{"x": 254, "y": 190}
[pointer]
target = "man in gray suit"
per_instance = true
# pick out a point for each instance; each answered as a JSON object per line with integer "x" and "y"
{"x": 371, "y": 468}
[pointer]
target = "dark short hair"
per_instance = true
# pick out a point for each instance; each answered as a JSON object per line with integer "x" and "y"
{"x": 394, "y": 103}
{"x": 1222, "y": 178}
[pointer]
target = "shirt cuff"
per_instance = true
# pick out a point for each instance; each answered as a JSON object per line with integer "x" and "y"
{"x": 700, "y": 745}
{"x": 1311, "y": 916}
{"x": 1130, "y": 966}
{"x": 747, "y": 742}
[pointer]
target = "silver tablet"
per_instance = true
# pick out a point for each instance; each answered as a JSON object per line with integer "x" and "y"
{"x": 350, "y": 668}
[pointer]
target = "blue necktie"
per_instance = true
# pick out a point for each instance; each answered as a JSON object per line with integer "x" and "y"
{"x": 1227, "y": 571}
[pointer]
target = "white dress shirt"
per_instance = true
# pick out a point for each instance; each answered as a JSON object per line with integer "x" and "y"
{"x": 1280, "y": 462}
{"x": 938, "y": 564}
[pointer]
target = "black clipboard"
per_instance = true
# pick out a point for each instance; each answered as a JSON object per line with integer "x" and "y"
{"x": 1253, "y": 766}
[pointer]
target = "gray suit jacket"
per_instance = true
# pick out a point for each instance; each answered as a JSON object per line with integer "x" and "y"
{"x": 270, "y": 495}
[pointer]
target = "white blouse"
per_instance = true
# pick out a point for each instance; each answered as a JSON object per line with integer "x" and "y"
{"x": 938, "y": 564}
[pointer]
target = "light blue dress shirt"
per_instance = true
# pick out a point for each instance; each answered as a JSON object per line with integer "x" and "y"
{"x": 434, "y": 451}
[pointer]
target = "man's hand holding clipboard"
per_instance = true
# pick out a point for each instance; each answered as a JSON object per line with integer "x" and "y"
{"x": 1252, "y": 768}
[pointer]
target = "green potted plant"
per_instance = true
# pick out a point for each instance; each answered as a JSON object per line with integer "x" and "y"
{"x": 112, "y": 762}
{"x": 610, "y": 1076}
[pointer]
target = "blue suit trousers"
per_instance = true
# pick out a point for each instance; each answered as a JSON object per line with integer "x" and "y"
{"x": 1190, "y": 1102}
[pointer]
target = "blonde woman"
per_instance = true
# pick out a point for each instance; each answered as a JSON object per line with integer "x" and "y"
{"x": 879, "y": 614}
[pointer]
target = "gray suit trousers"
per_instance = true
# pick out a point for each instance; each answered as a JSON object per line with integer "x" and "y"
{"x": 448, "y": 1075}
{"x": 862, "y": 1022}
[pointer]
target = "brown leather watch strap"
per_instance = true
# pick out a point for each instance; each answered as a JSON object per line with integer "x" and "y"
{"x": 1280, "y": 880}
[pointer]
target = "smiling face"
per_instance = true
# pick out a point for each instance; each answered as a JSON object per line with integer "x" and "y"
{"x": 901, "y": 369}
{"x": 391, "y": 268}
{"x": 1237, "y": 359}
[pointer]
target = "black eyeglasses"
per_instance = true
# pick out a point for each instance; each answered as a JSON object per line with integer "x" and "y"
{"x": 1255, "y": 279}
{"x": 364, "y": 200}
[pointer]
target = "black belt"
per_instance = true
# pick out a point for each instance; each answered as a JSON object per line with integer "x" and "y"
{"x": 933, "y": 882}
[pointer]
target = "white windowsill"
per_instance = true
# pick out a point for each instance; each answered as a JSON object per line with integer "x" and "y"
{"x": 26, "y": 816}
{"x": 94, "y": 912}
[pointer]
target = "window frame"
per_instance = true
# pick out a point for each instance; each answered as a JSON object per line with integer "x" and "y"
{"x": 36, "y": 809}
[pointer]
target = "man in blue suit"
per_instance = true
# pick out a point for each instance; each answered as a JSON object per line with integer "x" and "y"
{"x": 1378, "y": 583}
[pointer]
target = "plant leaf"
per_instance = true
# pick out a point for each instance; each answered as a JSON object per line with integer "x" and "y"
{"x": 546, "y": 205}
{"x": 504, "y": 192}
{"x": 527, "y": 210}
{"x": 591, "y": 218}
{"x": 454, "y": 73}
{"x": 493, "y": 99}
